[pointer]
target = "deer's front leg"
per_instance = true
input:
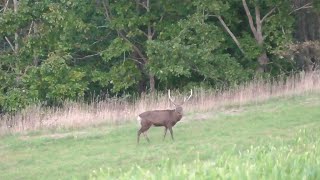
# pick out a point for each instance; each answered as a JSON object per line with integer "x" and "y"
{"x": 165, "y": 132}
{"x": 171, "y": 132}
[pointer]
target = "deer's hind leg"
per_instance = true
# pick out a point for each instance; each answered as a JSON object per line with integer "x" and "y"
{"x": 145, "y": 135}
{"x": 143, "y": 129}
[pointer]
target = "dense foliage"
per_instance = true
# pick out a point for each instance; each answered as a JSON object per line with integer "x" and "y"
{"x": 53, "y": 50}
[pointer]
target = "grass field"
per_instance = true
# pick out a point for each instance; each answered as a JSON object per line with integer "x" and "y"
{"x": 277, "y": 139}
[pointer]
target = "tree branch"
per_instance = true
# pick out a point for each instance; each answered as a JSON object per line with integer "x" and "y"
{"x": 230, "y": 33}
{"x": 144, "y": 5}
{"x": 145, "y": 34}
{"x": 88, "y": 56}
{"x": 268, "y": 14}
{"x": 253, "y": 29}
{"x": 154, "y": 31}
{"x": 150, "y": 34}
{"x": 259, "y": 36}
{"x": 123, "y": 36}
{"x": 30, "y": 28}
{"x": 107, "y": 11}
{"x": 16, "y": 35}
{"x": 135, "y": 60}
{"x": 149, "y": 31}
{"x": 135, "y": 48}
{"x": 306, "y": 6}
{"x": 12, "y": 47}
{"x": 5, "y": 7}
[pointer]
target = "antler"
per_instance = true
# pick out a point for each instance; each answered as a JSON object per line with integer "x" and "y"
{"x": 170, "y": 98}
{"x": 187, "y": 99}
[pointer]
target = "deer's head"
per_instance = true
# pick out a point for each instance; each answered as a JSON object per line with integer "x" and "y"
{"x": 178, "y": 107}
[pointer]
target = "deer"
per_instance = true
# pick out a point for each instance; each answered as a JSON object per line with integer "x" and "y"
{"x": 167, "y": 118}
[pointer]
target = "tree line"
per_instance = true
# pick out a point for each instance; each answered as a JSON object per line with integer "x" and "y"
{"x": 57, "y": 50}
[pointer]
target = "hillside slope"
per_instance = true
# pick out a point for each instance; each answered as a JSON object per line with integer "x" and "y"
{"x": 202, "y": 141}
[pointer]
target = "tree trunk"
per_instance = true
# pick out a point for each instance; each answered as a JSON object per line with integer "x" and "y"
{"x": 151, "y": 82}
{"x": 16, "y": 35}
{"x": 307, "y": 32}
{"x": 150, "y": 38}
{"x": 263, "y": 61}
{"x": 308, "y": 22}
{"x": 256, "y": 30}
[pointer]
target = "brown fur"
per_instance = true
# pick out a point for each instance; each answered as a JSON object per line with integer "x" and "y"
{"x": 166, "y": 118}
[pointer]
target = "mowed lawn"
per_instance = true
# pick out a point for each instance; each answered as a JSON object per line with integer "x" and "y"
{"x": 68, "y": 154}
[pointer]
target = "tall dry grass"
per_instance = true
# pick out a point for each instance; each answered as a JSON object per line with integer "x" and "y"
{"x": 115, "y": 111}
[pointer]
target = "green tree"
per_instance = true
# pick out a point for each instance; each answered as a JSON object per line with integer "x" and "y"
{"x": 258, "y": 28}
{"x": 40, "y": 29}
{"x": 135, "y": 23}
{"x": 196, "y": 54}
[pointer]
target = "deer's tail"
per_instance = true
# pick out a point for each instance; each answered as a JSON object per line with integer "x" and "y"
{"x": 139, "y": 121}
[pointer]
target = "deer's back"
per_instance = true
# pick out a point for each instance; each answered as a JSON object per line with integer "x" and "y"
{"x": 158, "y": 116}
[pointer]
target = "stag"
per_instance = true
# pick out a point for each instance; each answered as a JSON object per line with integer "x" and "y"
{"x": 167, "y": 118}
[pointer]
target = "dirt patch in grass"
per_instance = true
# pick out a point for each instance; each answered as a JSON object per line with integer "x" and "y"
{"x": 55, "y": 135}
{"x": 233, "y": 111}
{"x": 201, "y": 116}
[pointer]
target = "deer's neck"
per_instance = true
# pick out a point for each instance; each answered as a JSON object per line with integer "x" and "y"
{"x": 178, "y": 116}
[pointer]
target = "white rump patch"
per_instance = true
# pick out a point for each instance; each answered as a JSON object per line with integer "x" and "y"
{"x": 139, "y": 120}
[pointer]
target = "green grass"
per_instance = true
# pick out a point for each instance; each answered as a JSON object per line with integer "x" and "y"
{"x": 298, "y": 159}
{"x": 259, "y": 141}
